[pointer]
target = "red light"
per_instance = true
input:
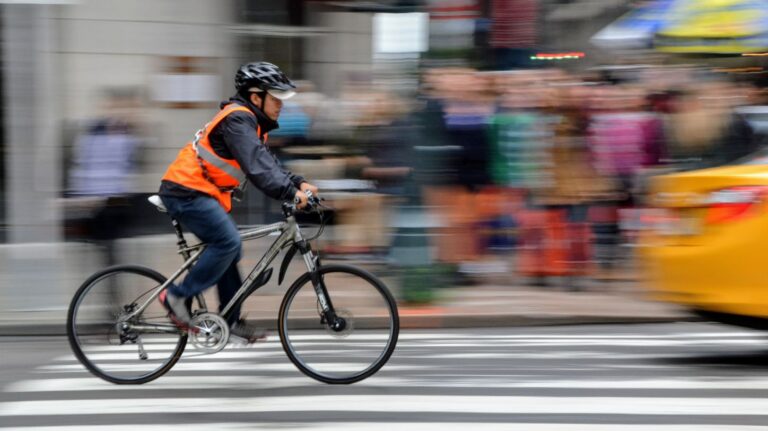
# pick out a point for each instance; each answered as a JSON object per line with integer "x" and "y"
{"x": 726, "y": 212}
{"x": 733, "y": 203}
{"x": 559, "y": 56}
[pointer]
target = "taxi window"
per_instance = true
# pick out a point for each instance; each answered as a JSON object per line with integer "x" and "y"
{"x": 758, "y": 158}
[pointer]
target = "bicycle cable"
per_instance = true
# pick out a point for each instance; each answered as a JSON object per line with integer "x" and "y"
{"x": 319, "y": 210}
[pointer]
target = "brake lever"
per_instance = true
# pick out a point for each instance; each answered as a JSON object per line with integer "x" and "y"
{"x": 313, "y": 202}
{"x": 319, "y": 203}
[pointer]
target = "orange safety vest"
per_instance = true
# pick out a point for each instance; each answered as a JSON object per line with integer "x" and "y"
{"x": 199, "y": 168}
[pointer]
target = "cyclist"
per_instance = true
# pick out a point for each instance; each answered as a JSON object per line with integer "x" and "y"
{"x": 198, "y": 186}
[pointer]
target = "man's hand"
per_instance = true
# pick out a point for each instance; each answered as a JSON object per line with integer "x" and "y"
{"x": 307, "y": 186}
{"x": 300, "y": 199}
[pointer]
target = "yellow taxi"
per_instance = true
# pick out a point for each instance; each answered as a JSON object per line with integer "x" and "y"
{"x": 707, "y": 248}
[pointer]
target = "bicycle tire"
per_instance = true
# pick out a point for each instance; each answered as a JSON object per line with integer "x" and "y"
{"x": 299, "y": 359}
{"x": 74, "y": 337}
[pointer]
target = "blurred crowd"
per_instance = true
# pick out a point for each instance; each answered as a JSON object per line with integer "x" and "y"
{"x": 537, "y": 174}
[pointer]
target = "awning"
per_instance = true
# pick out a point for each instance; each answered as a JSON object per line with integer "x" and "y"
{"x": 691, "y": 27}
{"x": 715, "y": 27}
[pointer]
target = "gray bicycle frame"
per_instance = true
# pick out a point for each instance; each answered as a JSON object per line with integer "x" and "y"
{"x": 290, "y": 233}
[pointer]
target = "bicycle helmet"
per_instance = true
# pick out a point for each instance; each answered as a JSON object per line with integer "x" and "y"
{"x": 262, "y": 76}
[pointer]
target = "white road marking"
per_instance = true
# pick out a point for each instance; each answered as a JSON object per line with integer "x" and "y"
{"x": 218, "y": 366}
{"x": 683, "y": 335}
{"x": 388, "y": 426}
{"x": 455, "y": 345}
{"x": 80, "y": 384}
{"x": 394, "y": 404}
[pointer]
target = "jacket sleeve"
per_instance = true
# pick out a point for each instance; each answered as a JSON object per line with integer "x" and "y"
{"x": 296, "y": 179}
{"x": 259, "y": 165}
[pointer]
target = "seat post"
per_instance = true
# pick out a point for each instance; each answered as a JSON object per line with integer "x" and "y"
{"x": 181, "y": 242}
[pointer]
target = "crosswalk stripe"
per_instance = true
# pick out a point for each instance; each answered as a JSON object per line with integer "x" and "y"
{"x": 194, "y": 356}
{"x": 401, "y": 353}
{"x": 167, "y": 382}
{"x": 218, "y": 366}
{"x": 191, "y": 356}
{"x": 388, "y": 426}
{"x": 130, "y": 353}
{"x": 80, "y": 384}
{"x": 397, "y": 404}
{"x": 682, "y": 335}
{"x": 259, "y": 346}
{"x": 561, "y": 355}
{"x": 602, "y": 342}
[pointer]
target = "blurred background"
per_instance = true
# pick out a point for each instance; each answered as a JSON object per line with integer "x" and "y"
{"x": 460, "y": 142}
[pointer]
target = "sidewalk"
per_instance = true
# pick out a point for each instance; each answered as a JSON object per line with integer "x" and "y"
{"x": 38, "y": 281}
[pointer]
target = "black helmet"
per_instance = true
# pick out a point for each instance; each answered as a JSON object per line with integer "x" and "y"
{"x": 263, "y": 76}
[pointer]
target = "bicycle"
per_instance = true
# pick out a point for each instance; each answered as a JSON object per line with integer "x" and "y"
{"x": 338, "y": 324}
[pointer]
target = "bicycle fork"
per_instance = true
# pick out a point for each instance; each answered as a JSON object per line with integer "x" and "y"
{"x": 328, "y": 315}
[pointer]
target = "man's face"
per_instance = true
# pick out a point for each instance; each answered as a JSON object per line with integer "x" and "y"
{"x": 272, "y": 107}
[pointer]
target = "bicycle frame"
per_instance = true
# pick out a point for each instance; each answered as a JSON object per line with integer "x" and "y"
{"x": 290, "y": 234}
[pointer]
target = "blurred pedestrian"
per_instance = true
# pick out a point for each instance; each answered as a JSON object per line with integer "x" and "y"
{"x": 703, "y": 130}
{"x": 389, "y": 149}
{"x": 575, "y": 185}
{"x": 103, "y": 169}
{"x": 623, "y": 140}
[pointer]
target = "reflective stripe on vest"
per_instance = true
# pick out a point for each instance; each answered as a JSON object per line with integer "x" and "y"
{"x": 204, "y": 153}
{"x": 217, "y": 161}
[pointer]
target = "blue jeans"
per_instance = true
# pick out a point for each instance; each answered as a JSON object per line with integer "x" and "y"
{"x": 207, "y": 219}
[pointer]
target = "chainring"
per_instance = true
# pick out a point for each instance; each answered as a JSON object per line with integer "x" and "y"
{"x": 212, "y": 335}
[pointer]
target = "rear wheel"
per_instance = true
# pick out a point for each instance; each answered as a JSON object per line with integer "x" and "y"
{"x": 124, "y": 352}
{"x": 353, "y": 347}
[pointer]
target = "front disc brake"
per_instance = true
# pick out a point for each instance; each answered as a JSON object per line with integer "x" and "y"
{"x": 349, "y": 324}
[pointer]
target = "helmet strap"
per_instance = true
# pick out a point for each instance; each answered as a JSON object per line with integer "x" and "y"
{"x": 262, "y": 95}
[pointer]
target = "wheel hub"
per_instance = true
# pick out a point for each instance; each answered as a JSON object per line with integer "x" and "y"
{"x": 342, "y": 325}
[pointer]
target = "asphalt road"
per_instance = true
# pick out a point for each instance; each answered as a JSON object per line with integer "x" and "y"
{"x": 604, "y": 377}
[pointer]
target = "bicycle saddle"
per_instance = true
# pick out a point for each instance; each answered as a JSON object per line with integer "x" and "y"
{"x": 156, "y": 201}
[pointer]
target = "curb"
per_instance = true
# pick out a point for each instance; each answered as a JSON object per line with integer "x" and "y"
{"x": 501, "y": 320}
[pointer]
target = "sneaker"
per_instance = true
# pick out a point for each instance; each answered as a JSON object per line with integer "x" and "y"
{"x": 248, "y": 331}
{"x": 177, "y": 309}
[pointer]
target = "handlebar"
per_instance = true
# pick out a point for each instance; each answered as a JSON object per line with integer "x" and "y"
{"x": 313, "y": 202}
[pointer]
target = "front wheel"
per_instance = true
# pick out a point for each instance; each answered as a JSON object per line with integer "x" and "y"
{"x": 357, "y": 344}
